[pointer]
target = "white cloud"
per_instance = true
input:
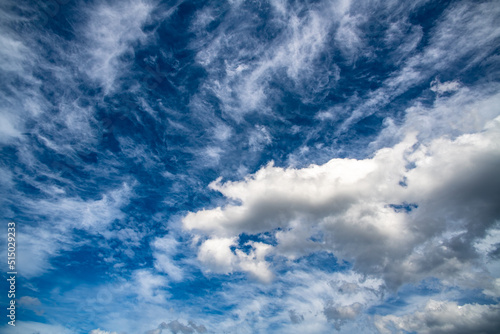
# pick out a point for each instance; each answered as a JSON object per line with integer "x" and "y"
{"x": 326, "y": 296}
{"x": 249, "y": 65}
{"x": 439, "y": 317}
{"x": 110, "y": 32}
{"x": 176, "y": 326}
{"x": 149, "y": 287}
{"x": 66, "y": 214}
{"x": 140, "y": 153}
{"x": 348, "y": 36}
{"x": 99, "y": 331}
{"x": 339, "y": 314}
{"x": 445, "y": 202}
{"x": 163, "y": 251}
{"x": 340, "y": 207}
{"x": 30, "y": 327}
{"x": 211, "y": 155}
{"x": 222, "y": 132}
{"x": 456, "y": 35}
{"x": 39, "y": 246}
{"x": 218, "y": 257}
{"x": 466, "y": 111}
{"x": 12, "y": 50}
{"x": 494, "y": 289}
{"x": 259, "y": 138}
{"x": 444, "y": 87}
{"x": 297, "y": 301}
{"x": 15, "y": 61}
{"x": 6, "y": 178}
{"x": 129, "y": 237}
{"x": 31, "y": 303}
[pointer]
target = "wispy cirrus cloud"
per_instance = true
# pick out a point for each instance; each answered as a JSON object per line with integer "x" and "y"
{"x": 66, "y": 215}
{"x": 444, "y": 52}
{"x": 248, "y": 66}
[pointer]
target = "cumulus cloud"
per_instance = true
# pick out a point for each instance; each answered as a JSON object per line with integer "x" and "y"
{"x": 66, "y": 215}
{"x": 339, "y": 314}
{"x": 388, "y": 218}
{"x": 218, "y": 256}
{"x": 440, "y": 317}
{"x": 8, "y": 127}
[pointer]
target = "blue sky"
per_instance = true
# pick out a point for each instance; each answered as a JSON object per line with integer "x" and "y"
{"x": 252, "y": 166}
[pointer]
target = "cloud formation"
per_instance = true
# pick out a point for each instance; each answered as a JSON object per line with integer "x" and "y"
{"x": 216, "y": 253}
{"x": 440, "y": 317}
{"x": 410, "y": 211}
{"x": 176, "y": 327}
{"x": 111, "y": 31}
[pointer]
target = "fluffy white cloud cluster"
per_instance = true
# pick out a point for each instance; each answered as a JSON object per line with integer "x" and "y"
{"x": 217, "y": 254}
{"x": 410, "y": 211}
{"x": 444, "y": 317}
